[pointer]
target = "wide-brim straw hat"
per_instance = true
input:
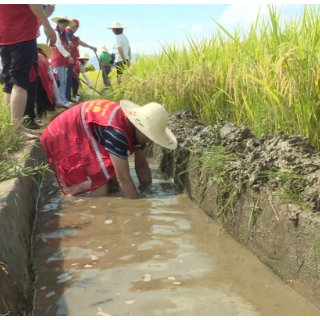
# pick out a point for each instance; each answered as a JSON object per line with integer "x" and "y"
{"x": 45, "y": 49}
{"x": 70, "y": 22}
{"x": 85, "y": 56}
{"x": 104, "y": 49}
{"x": 151, "y": 120}
{"x": 116, "y": 25}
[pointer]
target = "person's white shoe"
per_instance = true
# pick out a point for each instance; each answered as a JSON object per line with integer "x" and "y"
{"x": 68, "y": 105}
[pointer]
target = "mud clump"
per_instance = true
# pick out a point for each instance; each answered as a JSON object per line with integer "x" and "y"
{"x": 290, "y": 154}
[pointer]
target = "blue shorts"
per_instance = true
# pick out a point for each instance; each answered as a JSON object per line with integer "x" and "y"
{"x": 17, "y": 60}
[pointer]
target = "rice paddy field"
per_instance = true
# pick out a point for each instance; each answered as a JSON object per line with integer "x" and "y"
{"x": 266, "y": 78}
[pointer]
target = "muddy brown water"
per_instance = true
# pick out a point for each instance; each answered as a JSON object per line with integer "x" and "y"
{"x": 157, "y": 255}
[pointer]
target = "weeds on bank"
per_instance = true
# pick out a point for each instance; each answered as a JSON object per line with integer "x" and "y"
{"x": 10, "y": 141}
{"x": 15, "y": 169}
{"x": 219, "y": 161}
{"x": 288, "y": 182}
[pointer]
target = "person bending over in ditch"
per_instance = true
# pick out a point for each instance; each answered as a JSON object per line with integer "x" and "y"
{"x": 89, "y": 144}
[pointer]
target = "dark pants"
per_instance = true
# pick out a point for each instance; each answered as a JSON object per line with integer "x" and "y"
{"x": 32, "y": 92}
{"x": 75, "y": 86}
{"x": 107, "y": 70}
{"x": 37, "y": 94}
{"x": 31, "y": 101}
{"x": 17, "y": 60}
{"x": 43, "y": 103}
{"x": 69, "y": 82}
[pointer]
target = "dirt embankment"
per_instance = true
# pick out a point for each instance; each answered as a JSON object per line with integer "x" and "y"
{"x": 18, "y": 199}
{"x": 265, "y": 191}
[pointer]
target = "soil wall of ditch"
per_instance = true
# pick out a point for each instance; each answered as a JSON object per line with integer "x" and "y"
{"x": 280, "y": 228}
{"x": 18, "y": 199}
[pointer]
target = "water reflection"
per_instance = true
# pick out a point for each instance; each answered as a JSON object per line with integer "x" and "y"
{"x": 157, "y": 255}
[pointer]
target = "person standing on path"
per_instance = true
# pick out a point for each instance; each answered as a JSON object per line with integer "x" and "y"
{"x": 19, "y": 29}
{"x": 90, "y": 144}
{"x": 61, "y": 57}
{"x": 105, "y": 58}
{"x": 123, "y": 50}
{"x": 73, "y": 43}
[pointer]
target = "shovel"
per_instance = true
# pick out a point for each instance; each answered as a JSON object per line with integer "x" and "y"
{"x": 91, "y": 88}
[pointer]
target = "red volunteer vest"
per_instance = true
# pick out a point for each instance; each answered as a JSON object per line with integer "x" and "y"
{"x": 17, "y": 24}
{"x": 47, "y": 82}
{"x": 57, "y": 59}
{"x": 76, "y": 70}
{"x": 79, "y": 162}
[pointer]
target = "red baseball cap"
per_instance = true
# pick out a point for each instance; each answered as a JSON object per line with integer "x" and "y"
{"x": 76, "y": 22}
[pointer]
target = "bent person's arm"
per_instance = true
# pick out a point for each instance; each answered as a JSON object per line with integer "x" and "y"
{"x": 141, "y": 166}
{"x": 126, "y": 184}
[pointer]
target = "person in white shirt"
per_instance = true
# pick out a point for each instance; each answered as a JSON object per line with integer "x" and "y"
{"x": 122, "y": 49}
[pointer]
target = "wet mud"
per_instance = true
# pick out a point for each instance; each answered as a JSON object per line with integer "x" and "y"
{"x": 157, "y": 255}
{"x": 268, "y": 200}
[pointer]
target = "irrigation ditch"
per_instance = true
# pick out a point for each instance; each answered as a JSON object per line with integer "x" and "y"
{"x": 264, "y": 191}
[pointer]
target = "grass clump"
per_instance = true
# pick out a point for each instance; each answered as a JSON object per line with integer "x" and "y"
{"x": 10, "y": 141}
{"x": 291, "y": 186}
{"x": 219, "y": 161}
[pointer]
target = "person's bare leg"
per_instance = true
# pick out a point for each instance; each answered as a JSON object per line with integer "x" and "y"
{"x": 7, "y": 98}
{"x": 101, "y": 191}
{"x": 18, "y": 102}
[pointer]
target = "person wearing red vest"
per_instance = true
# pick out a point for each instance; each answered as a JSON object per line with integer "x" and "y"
{"x": 45, "y": 89}
{"x": 73, "y": 43}
{"x": 79, "y": 67}
{"x": 46, "y": 95}
{"x": 19, "y": 28}
{"x": 89, "y": 144}
{"x": 61, "y": 58}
